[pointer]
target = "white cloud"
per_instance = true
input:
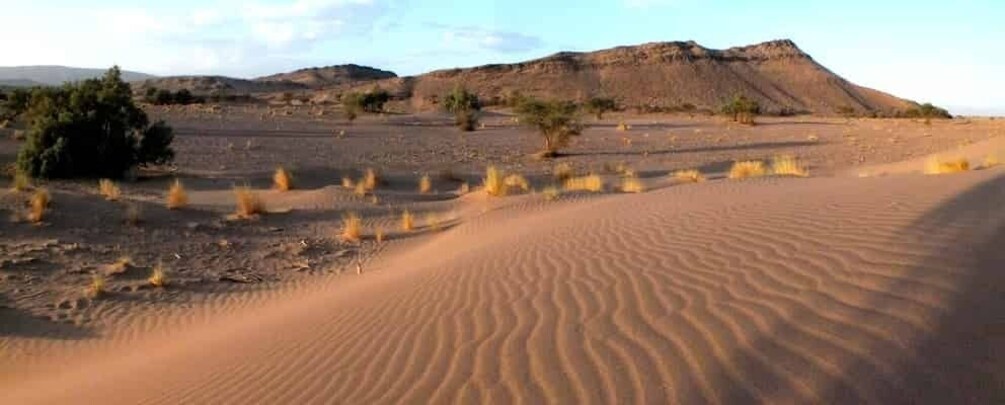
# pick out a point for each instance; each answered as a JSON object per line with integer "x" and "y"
{"x": 498, "y": 41}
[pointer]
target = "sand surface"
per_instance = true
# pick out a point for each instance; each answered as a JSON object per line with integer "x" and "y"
{"x": 834, "y": 288}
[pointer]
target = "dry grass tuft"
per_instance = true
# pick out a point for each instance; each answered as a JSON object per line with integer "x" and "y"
{"x": 563, "y": 172}
{"x": 37, "y": 205}
{"x": 249, "y": 204}
{"x": 632, "y": 184}
{"x": 516, "y": 181}
{"x": 360, "y": 189}
{"x": 425, "y": 184}
{"x": 432, "y": 221}
{"x": 407, "y": 221}
{"x": 551, "y": 193}
{"x": 158, "y": 277}
{"x": 347, "y": 182}
{"x": 370, "y": 179}
{"x": 282, "y": 180}
{"x": 120, "y": 266}
{"x": 622, "y": 126}
{"x": 133, "y": 214}
{"x": 592, "y": 183}
{"x": 745, "y": 169}
{"x": 352, "y": 228}
{"x": 97, "y": 287}
{"x": 21, "y": 182}
{"x": 788, "y": 166}
{"x": 689, "y": 176}
{"x": 494, "y": 182}
{"x": 378, "y": 235}
{"x": 935, "y": 165}
{"x": 177, "y": 197}
{"x": 109, "y": 189}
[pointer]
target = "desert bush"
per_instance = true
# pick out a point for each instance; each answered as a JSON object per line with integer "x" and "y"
{"x": 562, "y": 172}
{"x": 158, "y": 277}
{"x": 846, "y": 111}
{"x": 788, "y": 166}
{"x": 935, "y": 165}
{"x": 494, "y": 182}
{"x": 690, "y": 176}
{"x": 109, "y": 189}
{"x": 352, "y": 228}
{"x": 177, "y": 197}
{"x": 347, "y": 182}
{"x": 20, "y": 181}
{"x": 745, "y": 169}
{"x": 515, "y": 180}
{"x": 248, "y": 203}
{"x": 378, "y": 235}
{"x": 465, "y": 106}
{"x": 90, "y": 129}
{"x": 556, "y": 121}
{"x": 407, "y": 221}
{"x": 600, "y": 105}
{"x": 371, "y": 179}
{"x": 157, "y": 96}
{"x": 37, "y": 205}
{"x": 632, "y": 184}
{"x": 97, "y": 286}
{"x": 591, "y": 182}
{"x": 623, "y": 127}
{"x": 742, "y": 109}
{"x": 551, "y": 193}
{"x": 282, "y": 180}
{"x": 372, "y": 101}
{"x": 425, "y": 184}
{"x": 926, "y": 110}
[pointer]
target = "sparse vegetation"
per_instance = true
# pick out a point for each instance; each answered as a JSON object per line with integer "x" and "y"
{"x": 378, "y": 235}
{"x": 352, "y": 228}
{"x": 90, "y": 129}
{"x": 20, "y": 182}
{"x": 936, "y": 165}
{"x": 465, "y": 107}
{"x": 37, "y": 205}
{"x": 742, "y": 109}
{"x": 372, "y": 101}
{"x": 632, "y": 184}
{"x": 591, "y": 183}
{"x": 370, "y": 179}
{"x": 746, "y": 169}
{"x": 927, "y": 111}
{"x": 516, "y": 181}
{"x": 282, "y": 180}
{"x": 551, "y": 193}
{"x": 407, "y": 221}
{"x": 425, "y": 184}
{"x": 97, "y": 286}
{"x": 248, "y": 203}
{"x": 563, "y": 172}
{"x": 347, "y": 182}
{"x": 786, "y": 165}
{"x": 109, "y": 189}
{"x": 177, "y": 197}
{"x": 600, "y": 105}
{"x": 556, "y": 121}
{"x": 494, "y": 182}
{"x": 689, "y": 176}
{"x": 158, "y": 276}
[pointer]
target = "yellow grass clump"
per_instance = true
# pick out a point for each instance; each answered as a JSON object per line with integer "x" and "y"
{"x": 407, "y": 221}
{"x": 378, "y": 235}
{"x": 551, "y": 193}
{"x": 592, "y": 183}
{"x": 37, "y": 205}
{"x": 109, "y": 189}
{"x": 177, "y": 197}
{"x": 622, "y": 126}
{"x": 788, "y": 166}
{"x": 935, "y": 165}
{"x": 351, "y": 228}
{"x": 745, "y": 169}
{"x": 97, "y": 286}
{"x": 516, "y": 181}
{"x": 360, "y": 189}
{"x": 432, "y": 221}
{"x": 347, "y": 182}
{"x": 425, "y": 184}
{"x": 249, "y": 204}
{"x": 689, "y": 176}
{"x": 632, "y": 184}
{"x": 158, "y": 277}
{"x": 563, "y": 172}
{"x": 282, "y": 180}
{"x": 494, "y": 182}
{"x": 370, "y": 180}
{"x": 120, "y": 266}
{"x": 20, "y": 182}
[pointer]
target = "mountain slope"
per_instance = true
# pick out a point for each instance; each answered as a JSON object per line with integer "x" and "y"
{"x": 330, "y": 75}
{"x": 55, "y": 75}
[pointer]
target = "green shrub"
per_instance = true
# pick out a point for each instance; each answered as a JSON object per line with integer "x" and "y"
{"x": 556, "y": 121}
{"x": 465, "y": 106}
{"x": 371, "y": 102}
{"x": 742, "y": 109}
{"x": 599, "y": 105}
{"x": 90, "y": 129}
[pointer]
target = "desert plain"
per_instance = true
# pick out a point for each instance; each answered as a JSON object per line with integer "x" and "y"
{"x": 862, "y": 279}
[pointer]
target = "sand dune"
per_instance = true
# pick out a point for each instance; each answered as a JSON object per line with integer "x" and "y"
{"x": 872, "y": 290}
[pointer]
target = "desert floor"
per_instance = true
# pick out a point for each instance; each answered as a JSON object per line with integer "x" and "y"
{"x": 866, "y": 282}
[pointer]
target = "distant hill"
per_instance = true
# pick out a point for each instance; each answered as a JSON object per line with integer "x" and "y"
{"x": 216, "y": 84}
{"x": 8, "y": 83}
{"x": 664, "y": 74}
{"x": 330, "y": 75}
{"x": 56, "y": 75}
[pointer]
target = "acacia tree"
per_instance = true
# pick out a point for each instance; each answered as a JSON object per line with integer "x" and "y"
{"x": 90, "y": 129}
{"x": 742, "y": 109}
{"x": 599, "y": 105}
{"x": 465, "y": 107}
{"x": 556, "y": 121}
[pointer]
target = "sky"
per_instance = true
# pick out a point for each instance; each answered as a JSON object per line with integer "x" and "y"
{"x": 948, "y": 53}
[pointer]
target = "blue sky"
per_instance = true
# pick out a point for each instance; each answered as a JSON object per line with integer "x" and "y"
{"x": 950, "y": 53}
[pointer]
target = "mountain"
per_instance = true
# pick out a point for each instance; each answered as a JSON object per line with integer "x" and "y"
{"x": 216, "y": 84}
{"x": 56, "y": 75}
{"x": 777, "y": 74}
{"x": 330, "y": 75}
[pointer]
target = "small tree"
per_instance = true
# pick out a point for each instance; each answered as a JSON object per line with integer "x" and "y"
{"x": 556, "y": 121}
{"x": 599, "y": 105}
{"x": 352, "y": 103}
{"x": 464, "y": 106}
{"x": 742, "y": 109}
{"x": 90, "y": 129}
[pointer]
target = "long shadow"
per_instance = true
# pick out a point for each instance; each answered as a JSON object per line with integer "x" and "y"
{"x": 785, "y": 123}
{"x": 752, "y": 146}
{"x": 16, "y": 322}
{"x": 963, "y": 360}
